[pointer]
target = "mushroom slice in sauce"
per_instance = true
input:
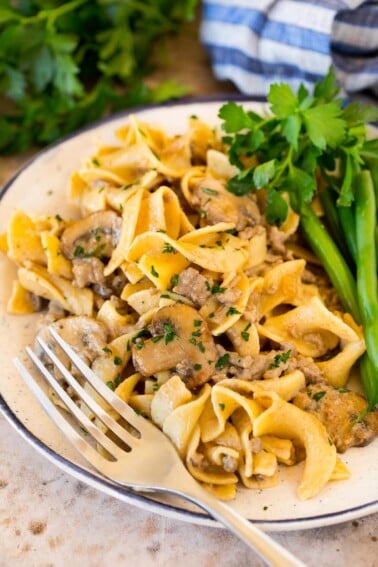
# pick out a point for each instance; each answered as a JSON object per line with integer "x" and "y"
{"x": 86, "y": 335}
{"x": 95, "y": 235}
{"x": 180, "y": 338}
{"x": 211, "y": 197}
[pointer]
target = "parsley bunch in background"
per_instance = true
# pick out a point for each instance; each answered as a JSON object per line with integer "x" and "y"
{"x": 64, "y": 64}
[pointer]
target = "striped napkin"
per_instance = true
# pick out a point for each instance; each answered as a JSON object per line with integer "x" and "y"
{"x": 256, "y": 42}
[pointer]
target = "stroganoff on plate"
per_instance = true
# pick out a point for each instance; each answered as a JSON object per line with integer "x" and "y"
{"x": 219, "y": 327}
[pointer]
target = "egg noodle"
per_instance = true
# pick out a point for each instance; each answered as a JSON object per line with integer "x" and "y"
{"x": 191, "y": 307}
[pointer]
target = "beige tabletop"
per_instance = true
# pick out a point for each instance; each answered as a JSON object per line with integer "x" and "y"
{"x": 48, "y": 518}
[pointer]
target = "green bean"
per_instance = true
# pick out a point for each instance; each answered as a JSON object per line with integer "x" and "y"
{"x": 336, "y": 267}
{"x": 345, "y": 285}
{"x": 373, "y": 168}
{"x": 369, "y": 380}
{"x": 333, "y": 220}
{"x": 348, "y": 223}
{"x": 366, "y": 249}
{"x": 372, "y": 164}
{"x": 367, "y": 290}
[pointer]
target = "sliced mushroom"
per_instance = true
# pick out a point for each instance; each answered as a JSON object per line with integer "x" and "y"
{"x": 179, "y": 333}
{"x": 95, "y": 235}
{"x": 88, "y": 271}
{"x": 211, "y": 197}
{"x": 86, "y": 335}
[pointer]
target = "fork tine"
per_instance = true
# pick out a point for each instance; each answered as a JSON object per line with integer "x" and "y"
{"x": 89, "y": 425}
{"x": 78, "y": 442}
{"x": 98, "y": 411}
{"x": 139, "y": 423}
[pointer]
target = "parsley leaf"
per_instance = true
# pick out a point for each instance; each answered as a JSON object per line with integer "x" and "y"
{"x": 276, "y": 208}
{"x": 264, "y": 173}
{"x": 282, "y": 100}
{"x": 235, "y": 117}
{"x": 222, "y": 361}
{"x": 324, "y": 125}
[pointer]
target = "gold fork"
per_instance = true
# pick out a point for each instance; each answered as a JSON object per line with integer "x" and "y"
{"x": 149, "y": 461}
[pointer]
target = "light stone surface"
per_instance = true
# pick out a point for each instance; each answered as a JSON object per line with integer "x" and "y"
{"x": 48, "y": 518}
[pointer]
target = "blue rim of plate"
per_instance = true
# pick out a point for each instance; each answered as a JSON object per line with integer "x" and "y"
{"x": 105, "y": 485}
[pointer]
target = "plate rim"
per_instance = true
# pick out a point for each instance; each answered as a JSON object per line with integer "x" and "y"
{"x": 102, "y": 483}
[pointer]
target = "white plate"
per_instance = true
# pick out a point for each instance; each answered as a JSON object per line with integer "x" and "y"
{"x": 40, "y": 187}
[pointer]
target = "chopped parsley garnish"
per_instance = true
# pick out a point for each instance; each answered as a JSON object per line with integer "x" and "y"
{"x": 318, "y": 395}
{"x": 168, "y": 249}
{"x": 222, "y": 406}
{"x": 79, "y": 251}
{"x": 125, "y": 187}
{"x": 154, "y": 272}
{"x": 174, "y": 280}
{"x": 244, "y": 334}
{"x": 232, "y": 311}
{"x": 140, "y": 334}
{"x": 197, "y": 366}
{"x": 110, "y": 385}
{"x": 169, "y": 333}
{"x": 117, "y": 380}
{"x": 96, "y": 162}
{"x": 209, "y": 191}
{"x": 217, "y": 289}
{"x": 282, "y": 357}
{"x": 222, "y": 361}
{"x": 117, "y": 360}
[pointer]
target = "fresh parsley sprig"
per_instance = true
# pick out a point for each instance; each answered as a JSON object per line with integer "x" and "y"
{"x": 303, "y": 132}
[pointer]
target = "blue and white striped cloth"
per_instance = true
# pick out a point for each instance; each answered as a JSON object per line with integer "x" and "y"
{"x": 256, "y": 42}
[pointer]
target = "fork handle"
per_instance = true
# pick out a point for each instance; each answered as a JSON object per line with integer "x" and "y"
{"x": 268, "y": 549}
